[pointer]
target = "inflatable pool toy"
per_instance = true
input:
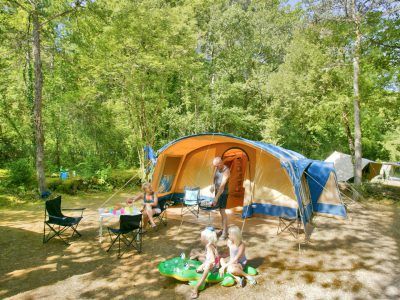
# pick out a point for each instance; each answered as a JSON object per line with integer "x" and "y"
{"x": 185, "y": 270}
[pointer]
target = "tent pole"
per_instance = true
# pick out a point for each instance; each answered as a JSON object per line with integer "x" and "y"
{"x": 340, "y": 193}
{"x": 252, "y": 191}
{"x": 112, "y": 196}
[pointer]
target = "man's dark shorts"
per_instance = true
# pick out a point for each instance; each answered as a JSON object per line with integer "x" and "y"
{"x": 222, "y": 200}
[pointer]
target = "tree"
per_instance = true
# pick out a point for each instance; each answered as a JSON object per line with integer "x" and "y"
{"x": 354, "y": 12}
{"x": 37, "y": 13}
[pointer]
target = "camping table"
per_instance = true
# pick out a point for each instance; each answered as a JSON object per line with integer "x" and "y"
{"x": 103, "y": 215}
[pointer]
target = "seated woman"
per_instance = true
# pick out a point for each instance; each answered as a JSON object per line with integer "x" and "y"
{"x": 237, "y": 258}
{"x": 150, "y": 204}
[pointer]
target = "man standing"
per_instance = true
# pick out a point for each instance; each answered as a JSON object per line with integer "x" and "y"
{"x": 220, "y": 187}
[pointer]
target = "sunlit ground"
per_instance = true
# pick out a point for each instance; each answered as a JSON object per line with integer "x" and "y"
{"x": 354, "y": 259}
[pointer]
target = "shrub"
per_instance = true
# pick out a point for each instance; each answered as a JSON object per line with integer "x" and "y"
{"x": 21, "y": 173}
{"x": 119, "y": 177}
{"x": 69, "y": 186}
{"x": 105, "y": 179}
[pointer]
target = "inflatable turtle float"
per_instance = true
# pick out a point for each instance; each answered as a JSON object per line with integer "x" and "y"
{"x": 185, "y": 270}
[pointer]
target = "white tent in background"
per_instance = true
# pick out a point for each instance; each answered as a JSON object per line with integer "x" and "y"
{"x": 344, "y": 165}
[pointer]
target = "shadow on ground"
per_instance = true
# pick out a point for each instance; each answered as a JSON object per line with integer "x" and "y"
{"x": 356, "y": 259}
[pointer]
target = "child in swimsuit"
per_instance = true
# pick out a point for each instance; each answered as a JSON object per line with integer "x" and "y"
{"x": 211, "y": 261}
{"x": 150, "y": 203}
{"x": 237, "y": 257}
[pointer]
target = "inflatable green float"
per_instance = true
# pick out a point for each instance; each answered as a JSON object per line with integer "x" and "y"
{"x": 185, "y": 270}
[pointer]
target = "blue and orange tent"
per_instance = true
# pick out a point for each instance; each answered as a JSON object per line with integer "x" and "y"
{"x": 265, "y": 179}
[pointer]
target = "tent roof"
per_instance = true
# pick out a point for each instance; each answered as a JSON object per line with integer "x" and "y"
{"x": 205, "y": 139}
{"x": 394, "y": 164}
{"x": 344, "y": 165}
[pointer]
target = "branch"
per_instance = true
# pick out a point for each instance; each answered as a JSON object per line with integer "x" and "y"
{"x": 74, "y": 9}
{"x": 381, "y": 5}
{"x": 20, "y": 5}
{"x": 392, "y": 11}
{"x": 394, "y": 46}
{"x": 57, "y": 16}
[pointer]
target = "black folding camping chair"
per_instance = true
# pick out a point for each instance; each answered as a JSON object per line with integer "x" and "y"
{"x": 57, "y": 222}
{"x": 190, "y": 201}
{"x": 161, "y": 218}
{"x": 129, "y": 232}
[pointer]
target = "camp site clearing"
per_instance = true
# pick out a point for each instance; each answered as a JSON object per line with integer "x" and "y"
{"x": 356, "y": 258}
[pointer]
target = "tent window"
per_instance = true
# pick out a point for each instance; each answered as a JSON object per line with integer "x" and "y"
{"x": 168, "y": 174}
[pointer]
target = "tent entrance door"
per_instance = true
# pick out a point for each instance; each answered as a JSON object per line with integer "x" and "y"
{"x": 237, "y": 160}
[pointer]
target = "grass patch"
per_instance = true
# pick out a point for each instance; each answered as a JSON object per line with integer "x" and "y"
{"x": 10, "y": 199}
{"x": 384, "y": 194}
{"x": 374, "y": 192}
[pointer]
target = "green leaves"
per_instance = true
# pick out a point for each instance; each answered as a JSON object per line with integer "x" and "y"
{"x": 122, "y": 74}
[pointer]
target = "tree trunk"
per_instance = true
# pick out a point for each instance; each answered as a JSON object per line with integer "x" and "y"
{"x": 58, "y": 151}
{"x": 37, "y": 108}
{"x": 357, "y": 117}
{"x": 346, "y": 125}
{"x": 29, "y": 84}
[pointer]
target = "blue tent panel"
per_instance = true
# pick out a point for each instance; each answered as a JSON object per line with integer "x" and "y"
{"x": 268, "y": 209}
{"x": 329, "y": 209}
{"x": 317, "y": 176}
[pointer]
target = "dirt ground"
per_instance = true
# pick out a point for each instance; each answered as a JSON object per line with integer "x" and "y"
{"x": 354, "y": 259}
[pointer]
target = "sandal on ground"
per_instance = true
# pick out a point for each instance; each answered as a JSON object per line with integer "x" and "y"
{"x": 241, "y": 282}
{"x": 252, "y": 280}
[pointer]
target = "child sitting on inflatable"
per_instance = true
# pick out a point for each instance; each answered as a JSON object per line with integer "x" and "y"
{"x": 211, "y": 260}
{"x": 237, "y": 258}
{"x": 150, "y": 203}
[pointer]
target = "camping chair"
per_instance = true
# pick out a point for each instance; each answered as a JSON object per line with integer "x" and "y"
{"x": 208, "y": 209}
{"x": 57, "y": 222}
{"x": 290, "y": 224}
{"x": 190, "y": 201}
{"x": 129, "y": 231}
{"x": 163, "y": 204}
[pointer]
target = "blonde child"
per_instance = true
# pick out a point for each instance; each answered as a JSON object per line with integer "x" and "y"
{"x": 150, "y": 203}
{"x": 211, "y": 259}
{"x": 237, "y": 257}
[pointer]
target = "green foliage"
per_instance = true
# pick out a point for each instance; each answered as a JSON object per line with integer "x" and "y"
{"x": 68, "y": 186}
{"x": 103, "y": 180}
{"x": 123, "y": 74}
{"x": 21, "y": 173}
{"x": 380, "y": 192}
{"x": 392, "y": 144}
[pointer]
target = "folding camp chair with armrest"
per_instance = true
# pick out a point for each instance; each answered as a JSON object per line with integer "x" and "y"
{"x": 290, "y": 224}
{"x": 204, "y": 205}
{"x": 163, "y": 204}
{"x": 190, "y": 201}
{"x": 129, "y": 232}
{"x": 57, "y": 222}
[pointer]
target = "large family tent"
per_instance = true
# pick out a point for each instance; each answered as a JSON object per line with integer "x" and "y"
{"x": 265, "y": 179}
